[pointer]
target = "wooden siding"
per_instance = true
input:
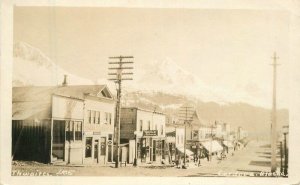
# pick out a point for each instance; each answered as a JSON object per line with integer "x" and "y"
{"x": 31, "y": 140}
{"x": 128, "y": 123}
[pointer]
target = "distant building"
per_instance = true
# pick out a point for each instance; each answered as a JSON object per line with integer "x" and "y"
{"x": 146, "y": 129}
{"x": 241, "y": 133}
{"x": 67, "y": 124}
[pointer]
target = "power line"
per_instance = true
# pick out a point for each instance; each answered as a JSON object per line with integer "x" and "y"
{"x": 118, "y": 68}
{"x": 183, "y": 115}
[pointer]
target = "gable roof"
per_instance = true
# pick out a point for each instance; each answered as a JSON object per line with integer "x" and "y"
{"x": 197, "y": 121}
{"x": 31, "y": 93}
{"x": 35, "y": 101}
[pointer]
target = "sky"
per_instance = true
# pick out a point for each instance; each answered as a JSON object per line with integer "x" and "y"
{"x": 228, "y": 49}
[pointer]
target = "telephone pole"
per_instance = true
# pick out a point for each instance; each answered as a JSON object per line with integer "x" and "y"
{"x": 274, "y": 116}
{"x": 186, "y": 115}
{"x": 118, "y": 67}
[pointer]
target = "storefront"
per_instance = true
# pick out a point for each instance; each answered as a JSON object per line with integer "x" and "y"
{"x": 150, "y": 148}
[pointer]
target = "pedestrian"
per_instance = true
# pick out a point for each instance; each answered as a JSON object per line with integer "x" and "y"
{"x": 199, "y": 163}
{"x": 177, "y": 161}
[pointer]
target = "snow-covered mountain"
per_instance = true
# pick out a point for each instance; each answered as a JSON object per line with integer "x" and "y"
{"x": 32, "y": 67}
{"x": 168, "y": 77}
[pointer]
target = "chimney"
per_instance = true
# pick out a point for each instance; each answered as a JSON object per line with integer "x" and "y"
{"x": 65, "y": 83}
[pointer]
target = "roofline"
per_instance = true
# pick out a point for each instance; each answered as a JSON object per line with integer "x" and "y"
{"x": 100, "y": 98}
{"x": 105, "y": 86}
{"x": 145, "y": 110}
{"x": 70, "y": 97}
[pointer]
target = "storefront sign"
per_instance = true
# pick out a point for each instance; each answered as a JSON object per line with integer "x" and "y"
{"x": 150, "y": 133}
{"x": 97, "y": 133}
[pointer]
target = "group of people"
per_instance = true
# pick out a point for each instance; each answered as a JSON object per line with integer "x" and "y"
{"x": 196, "y": 159}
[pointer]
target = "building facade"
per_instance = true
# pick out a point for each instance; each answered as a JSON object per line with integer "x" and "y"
{"x": 65, "y": 124}
{"x": 146, "y": 130}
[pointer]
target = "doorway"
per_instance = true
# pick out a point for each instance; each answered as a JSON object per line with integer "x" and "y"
{"x": 102, "y": 149}
{"x": 58, "y": 145}
{"x": 154, "y": 150}
{"x": 96, "y": 151}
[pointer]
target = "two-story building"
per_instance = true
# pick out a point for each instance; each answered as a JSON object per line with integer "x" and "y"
{"x": 67, "y": 124}
{"x": 144, "y": 130}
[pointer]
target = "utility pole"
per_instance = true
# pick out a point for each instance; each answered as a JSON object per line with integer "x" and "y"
{"x": 118, "y": 67}
{"x": 274, "y": 116}
{"x": 186, "y": 115}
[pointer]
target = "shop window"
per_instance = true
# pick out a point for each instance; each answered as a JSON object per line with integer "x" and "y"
{"x": 78, "y": 130}
{"x": 88, "y": 147}
{"x": 69, "y": 131}
{"x": 58, "y": 131}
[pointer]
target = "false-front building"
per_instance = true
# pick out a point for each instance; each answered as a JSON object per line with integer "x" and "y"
{"x": 63, "y": 124}
{"x": 144, "y": 130}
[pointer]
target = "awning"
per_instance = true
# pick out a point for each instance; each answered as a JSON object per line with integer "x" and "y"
{"x": 187, "y": 151}
{"x": 228, "y": 144}
{"x": 212, "y": 146}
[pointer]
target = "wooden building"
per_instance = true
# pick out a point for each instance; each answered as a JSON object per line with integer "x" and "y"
{"x": 63, "y": 124}
{"x": 144, "y": 130}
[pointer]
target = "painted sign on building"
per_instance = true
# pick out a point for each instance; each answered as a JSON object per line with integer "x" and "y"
{"x": 150, "y": 133}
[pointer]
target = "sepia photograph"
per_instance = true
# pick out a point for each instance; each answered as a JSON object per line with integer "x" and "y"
{"x": 150, "y": 92}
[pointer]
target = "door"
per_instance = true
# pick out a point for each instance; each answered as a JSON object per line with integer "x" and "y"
{"x": 96, "y": 151}
{"x": 58, "y": 145}
{"x": 103, "y": 150}
{"x": 154, "y": 150}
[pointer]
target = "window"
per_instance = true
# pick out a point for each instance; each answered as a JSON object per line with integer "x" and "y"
{"x": 73, "y": 130}
{"x": 155, "y": 127}
{"x": 141, "y": 125}
{"x": 161, "y": 130}
{"x": 149, "y": 125}
{"x": 110, "y": 137}
{"x": 78, "y": 130}
{"x": 69, "y": 131}
{"x": 88, "y": 147}
{"x": 195, "y": 134}
{"x": 97, "y": 117}
{"x": 58, "y": 131}
{"x": 90, "y": 116}
{"x": 93, "y": 116}
{"x": 200, "y": 134}
{"x": 110, "y": 118}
